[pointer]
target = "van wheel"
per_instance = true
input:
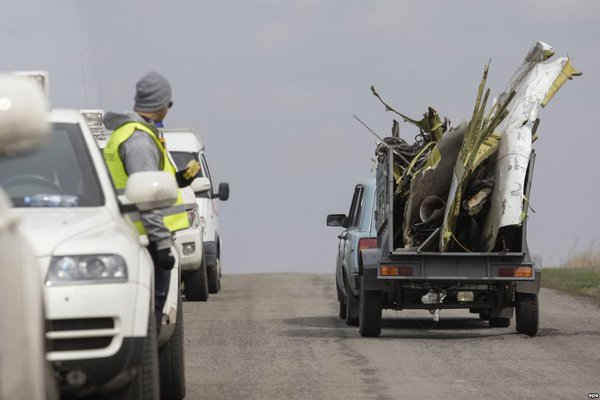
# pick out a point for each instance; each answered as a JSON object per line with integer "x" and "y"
{"x": 370, "y": 305}
{"x": 195, "y": 284}
{"x": 171, "y": 362}
{"x": 144, "y": 385}
{"x": 214, "y": 281}
{"x": 527, "y": 313}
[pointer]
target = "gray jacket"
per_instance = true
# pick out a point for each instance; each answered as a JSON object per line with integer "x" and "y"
{"x": 139, "y": 153}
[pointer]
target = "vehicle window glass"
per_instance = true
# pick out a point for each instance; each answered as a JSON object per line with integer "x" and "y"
{"x": 181, "y": 158}
{"x": 352, "y": 214}
{"x": 60, "y": 174}
{"x": 207, "y": 172}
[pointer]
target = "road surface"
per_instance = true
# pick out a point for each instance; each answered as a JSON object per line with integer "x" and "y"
{"x": 277, "y": 336}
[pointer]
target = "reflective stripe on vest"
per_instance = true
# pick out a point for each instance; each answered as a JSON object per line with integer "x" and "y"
{"x": 175, "y": 217}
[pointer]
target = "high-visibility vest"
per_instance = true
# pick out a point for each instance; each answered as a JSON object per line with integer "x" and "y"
{"x": 175, "y": 217}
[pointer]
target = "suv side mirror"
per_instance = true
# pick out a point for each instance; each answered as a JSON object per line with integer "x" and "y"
{"x": 223, "y": 194}
{"x": 23, "y": 116}
{"x": 200, "y": 185}
{"x": 149, "y": 190}
{"x": 336, "y": 220}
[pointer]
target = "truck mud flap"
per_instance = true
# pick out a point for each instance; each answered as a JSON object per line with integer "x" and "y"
{"x": 367, "y": 268}
{"x": 532, "y": 287}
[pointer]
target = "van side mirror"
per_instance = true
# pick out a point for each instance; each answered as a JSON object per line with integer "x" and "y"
{"x": 337, "y": 220}
{"x": 150, "y": 190}
{"x": 200, "y": 185}
{"x": 223, "y": 194}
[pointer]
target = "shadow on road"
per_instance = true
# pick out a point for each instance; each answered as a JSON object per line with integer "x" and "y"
{"x": 402, "y": 328}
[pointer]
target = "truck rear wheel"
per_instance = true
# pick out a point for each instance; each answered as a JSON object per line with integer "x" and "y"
{"x": 195, "y": 284}
{"x": 370, "y": 305}
{"x": 171, "y": 362}
{"x": 527, "y": 313}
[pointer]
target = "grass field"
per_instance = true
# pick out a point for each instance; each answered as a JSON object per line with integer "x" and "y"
{"x": 579, "y": 276}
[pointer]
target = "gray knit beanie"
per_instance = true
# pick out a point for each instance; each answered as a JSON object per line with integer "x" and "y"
{"x": 152, "y": 93}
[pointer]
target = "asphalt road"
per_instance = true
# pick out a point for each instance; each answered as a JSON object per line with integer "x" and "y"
{"x": 277, "y": 336}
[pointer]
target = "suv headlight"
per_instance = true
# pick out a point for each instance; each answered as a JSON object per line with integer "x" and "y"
{"x": 98, "y": 268}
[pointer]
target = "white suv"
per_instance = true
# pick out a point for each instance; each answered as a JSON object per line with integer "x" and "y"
{"x": 185, "y": 145}
{"x": 99, "y": 277}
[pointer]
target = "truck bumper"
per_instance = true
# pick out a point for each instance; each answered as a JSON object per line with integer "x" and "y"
{"x": 189, "y": 246}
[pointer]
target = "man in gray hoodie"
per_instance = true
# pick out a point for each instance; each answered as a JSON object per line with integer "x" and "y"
{"x": 136, "y": 146}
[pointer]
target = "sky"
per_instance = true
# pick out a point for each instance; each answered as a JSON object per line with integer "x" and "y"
{"x": 271, "y": 86}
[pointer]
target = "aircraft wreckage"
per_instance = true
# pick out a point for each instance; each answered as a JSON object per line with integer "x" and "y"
{"x": 465, "y": 188}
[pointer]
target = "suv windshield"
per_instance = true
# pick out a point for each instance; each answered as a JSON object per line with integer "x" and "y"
{"x": 60, "y": 174}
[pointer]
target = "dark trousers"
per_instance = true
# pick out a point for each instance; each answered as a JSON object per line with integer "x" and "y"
{"x": 162, "y": 278}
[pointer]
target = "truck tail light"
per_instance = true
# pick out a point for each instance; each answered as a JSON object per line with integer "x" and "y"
{"x": 396, "y": 270}
{"x": 367, "y": 243}
{"x": 523, "y": 272}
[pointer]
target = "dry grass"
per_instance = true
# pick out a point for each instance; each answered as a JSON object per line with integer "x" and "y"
{"x": 588, "y": 261}
{"x": 580, "y": 275}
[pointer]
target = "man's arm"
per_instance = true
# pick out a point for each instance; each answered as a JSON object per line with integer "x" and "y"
{"x": 139, "y": 153}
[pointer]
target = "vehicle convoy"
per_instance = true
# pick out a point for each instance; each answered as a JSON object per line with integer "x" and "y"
{"x": 98, "y": 273}
{"x": 359, "y": 234}
{"x": 185, "y": 145}
{"x": 451, "y": 215}
{"x": 24, "y": 371}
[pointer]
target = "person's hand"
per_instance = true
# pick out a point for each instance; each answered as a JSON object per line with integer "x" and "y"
{"x": 191, "y": 170}
{"x": 165, "y": 259}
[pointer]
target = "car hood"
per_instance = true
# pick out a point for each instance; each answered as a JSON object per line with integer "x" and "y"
{"x": 47, "y": 228}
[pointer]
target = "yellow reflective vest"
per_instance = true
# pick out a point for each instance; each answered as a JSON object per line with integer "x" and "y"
{"x": 175, "y": 217}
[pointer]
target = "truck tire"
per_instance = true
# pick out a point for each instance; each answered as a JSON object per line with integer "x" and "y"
{"x": 351, "y": 306}
{"x": 342, "y": 310}
{"x": 171, "y": 361}
{"x": 195, "y": 284}
{"x": 499, "y": 322}
{"x": 144, "y": 385}
{"x": 370, "y": 305}
{"x": 214, "y": 281}
{"x": 527, "y": 313}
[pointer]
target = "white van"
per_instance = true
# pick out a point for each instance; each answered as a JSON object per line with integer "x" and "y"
{"x": 98, "y": 274}
{"x": 185, "y": 145}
